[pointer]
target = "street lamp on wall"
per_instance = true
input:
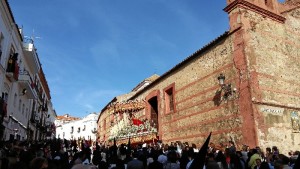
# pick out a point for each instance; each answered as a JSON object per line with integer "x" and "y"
{"x": 229, "y": 93}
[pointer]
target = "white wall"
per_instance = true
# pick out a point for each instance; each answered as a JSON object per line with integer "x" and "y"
{"x": 86, "y": 125}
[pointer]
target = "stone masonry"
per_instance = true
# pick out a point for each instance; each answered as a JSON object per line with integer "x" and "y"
{"x": 259, "y": 58}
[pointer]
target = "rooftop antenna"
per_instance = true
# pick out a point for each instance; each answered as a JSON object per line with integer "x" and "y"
{"x": 32, "y": 37}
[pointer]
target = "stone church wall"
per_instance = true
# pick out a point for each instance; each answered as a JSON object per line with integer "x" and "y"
{"x": 197, "y": 108}
{"x": 273, "y": 53}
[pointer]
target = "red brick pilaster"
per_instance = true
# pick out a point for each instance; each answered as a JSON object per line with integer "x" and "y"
{"x": 244, "y": 88}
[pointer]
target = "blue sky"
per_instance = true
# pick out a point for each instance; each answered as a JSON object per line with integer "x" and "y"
{"x": 93, "y": 50}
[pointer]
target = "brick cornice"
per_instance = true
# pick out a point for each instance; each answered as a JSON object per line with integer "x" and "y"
{"x": 255, "y": 8}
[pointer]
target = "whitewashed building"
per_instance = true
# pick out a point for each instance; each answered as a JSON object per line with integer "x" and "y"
{"x": 71, "y": 128}
{"x": 25, "y": 100}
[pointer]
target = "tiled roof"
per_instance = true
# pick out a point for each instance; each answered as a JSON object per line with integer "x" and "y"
{"x": 66, "y": 117}
{"x": 152, "y": 78}
{"x": 145, "y": 82}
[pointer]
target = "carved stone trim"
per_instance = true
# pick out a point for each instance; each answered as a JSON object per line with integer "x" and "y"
{"x": 255, "y": 8}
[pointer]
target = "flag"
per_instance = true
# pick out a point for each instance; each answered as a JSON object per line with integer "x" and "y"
{"x": 199, "y": 159}
{"x": 137, "y": 122}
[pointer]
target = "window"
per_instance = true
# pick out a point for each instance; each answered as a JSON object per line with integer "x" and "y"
{"x": 11, "y": 64}
{"x": 5, "y": 96}
{"x": 169, "y": 99}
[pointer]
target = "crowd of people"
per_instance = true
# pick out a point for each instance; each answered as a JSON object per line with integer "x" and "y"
{"x": 64, "y": 154}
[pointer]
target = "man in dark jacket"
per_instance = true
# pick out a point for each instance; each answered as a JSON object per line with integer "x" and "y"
{"x": 135, "y": 163}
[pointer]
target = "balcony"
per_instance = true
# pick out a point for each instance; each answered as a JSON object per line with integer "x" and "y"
{"x": 43, "y": 108}
{"x": 12, "y": 72}
{"x": 25, "y": 83}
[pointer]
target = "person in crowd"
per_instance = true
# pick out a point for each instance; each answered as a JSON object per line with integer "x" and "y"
{"x": 244, "y": 152}
{"x": 231, "y": 147}
{"x": 258, "y": 163}
{"x": 268, "y": 154}
{"x": 186, "y": 155}
{"x": 285, "y": 161}
{"x": 275, "y": 151}
{"x": 196, "y": 150}
{"x": 241, "y": 159}
{"x": 162, "y": 158}
{"x": 235, "y": 161}
{"x": 39, "y": 163}
{"x": 253, "y": 158}
{"x": 135, "y": 163}
{"x": 62, "y": 154}
{"x": 191, "y": 156}
{"x": 80, "y": 158}
{"x": 103, "y": 164}
{"x": 83, "y": 166}
{"x": 211, "y": 162}
{"x": 172, "y": 162}
{"x": 221, "y": 160}
{"x": 155, "y": 164}
{"x": 265, "y": 165}
{"x": 228, "y": 159}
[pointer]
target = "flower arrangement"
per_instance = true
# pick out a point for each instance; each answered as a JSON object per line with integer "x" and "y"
{"x": 132, "y": 130}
